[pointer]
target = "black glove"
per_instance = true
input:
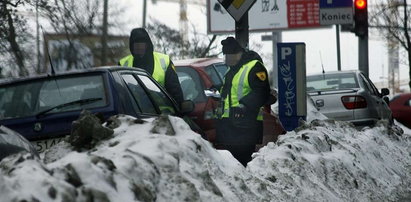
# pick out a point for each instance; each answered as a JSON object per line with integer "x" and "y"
{"x": 239, "y": 112}
{"x": 272, "y": 97}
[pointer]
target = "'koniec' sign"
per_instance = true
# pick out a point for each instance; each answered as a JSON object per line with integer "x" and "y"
{"x": 292, "y": 96}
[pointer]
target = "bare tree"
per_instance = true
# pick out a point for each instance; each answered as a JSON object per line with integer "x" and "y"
{"x": 14, "y": 33}
{"x": 66, "y": 16}
{"x": 170, "y": 41}
{"x": 84, "y": 18}
{"x": 391, "y": 18}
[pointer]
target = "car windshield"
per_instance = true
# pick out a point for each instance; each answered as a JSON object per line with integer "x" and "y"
{"x": 32, "y": 97}
{"x": 191, "y": 84}
{"x": 329, "y": 82}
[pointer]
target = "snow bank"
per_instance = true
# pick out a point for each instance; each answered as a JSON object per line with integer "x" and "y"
{"x": 144, "y": 161}
{"x": 332, "y": 161}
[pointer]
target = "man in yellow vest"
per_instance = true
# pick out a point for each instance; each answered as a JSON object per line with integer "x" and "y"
{"x": 244, "y": 92}
{"x": 157, "y": 64}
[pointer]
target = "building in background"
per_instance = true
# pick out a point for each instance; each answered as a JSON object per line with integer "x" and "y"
{"x": 68, "y": 52}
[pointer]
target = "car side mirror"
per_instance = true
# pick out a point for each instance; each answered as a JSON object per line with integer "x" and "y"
{"x": 385, "y": 91}
{"x": 187, "y": 106}
{"x": 213, "y": 93}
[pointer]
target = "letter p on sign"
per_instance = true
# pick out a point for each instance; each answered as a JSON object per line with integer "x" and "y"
{"x": 285, "y": 51}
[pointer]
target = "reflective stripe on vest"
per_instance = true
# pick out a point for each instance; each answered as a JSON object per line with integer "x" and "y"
{"x": 161, "y": 62}
{"x": 240, "y": 88}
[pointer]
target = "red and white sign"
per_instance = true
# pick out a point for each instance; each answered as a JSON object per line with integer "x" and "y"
{"x": 303, "y": 13}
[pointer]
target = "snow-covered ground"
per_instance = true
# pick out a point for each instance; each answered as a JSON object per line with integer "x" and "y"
{"x": 161, "y": 160}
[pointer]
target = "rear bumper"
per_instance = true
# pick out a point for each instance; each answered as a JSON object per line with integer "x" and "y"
{"x": 364, "y": 122}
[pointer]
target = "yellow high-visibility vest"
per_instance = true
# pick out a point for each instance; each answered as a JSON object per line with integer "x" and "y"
{"x": 240, "y": 88}
{"x": 161, "y": 62}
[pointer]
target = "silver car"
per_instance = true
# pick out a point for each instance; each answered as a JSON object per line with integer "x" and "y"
{"x": 349, "y": 96}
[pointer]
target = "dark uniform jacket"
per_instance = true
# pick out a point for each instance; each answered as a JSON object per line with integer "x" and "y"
{"x": 229, "y": 133}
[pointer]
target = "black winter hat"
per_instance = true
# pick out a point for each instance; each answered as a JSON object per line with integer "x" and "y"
{"x": 231, "y": 46}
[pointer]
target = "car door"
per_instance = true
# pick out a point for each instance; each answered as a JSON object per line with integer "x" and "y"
{"x": 385, "y": 110}
{"x": 141, "y": 102}
{"x": 157, "y": 94}
{"x": 375, "y": 102}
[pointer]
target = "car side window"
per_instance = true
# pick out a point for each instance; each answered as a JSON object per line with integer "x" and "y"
{"x": 374, "y": 88}
{"x": 408, "y": 103}
{"x": 140, "y": 95}
{"x": 367, "y": 85}
{"x": 191, "y": 85}
{"x": 164, "y": 103}
{"x": 215, "y": 76}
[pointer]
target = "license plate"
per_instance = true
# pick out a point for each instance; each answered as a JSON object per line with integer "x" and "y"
{"x": 43, "y": 145}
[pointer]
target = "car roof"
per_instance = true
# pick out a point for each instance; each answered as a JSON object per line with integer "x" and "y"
{"x": 336, "y": 72}
{"x": 198, "y": 62}
{"x": 71, "y": 72}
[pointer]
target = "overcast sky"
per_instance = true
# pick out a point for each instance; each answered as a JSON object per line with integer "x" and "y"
{"x": 320, "y": 43}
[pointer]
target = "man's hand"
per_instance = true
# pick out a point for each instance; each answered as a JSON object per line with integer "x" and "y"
{"x": 239, "y": 112}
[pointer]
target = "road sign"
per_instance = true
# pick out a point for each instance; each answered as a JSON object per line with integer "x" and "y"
{"x": 292, "y": 96}
{"x": 263, "y": 16}
{"x": 237, "y": 8}
{"x": 336, "y": 12}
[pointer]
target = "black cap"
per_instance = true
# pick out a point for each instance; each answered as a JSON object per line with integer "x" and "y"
{"x": 231, "y": 46}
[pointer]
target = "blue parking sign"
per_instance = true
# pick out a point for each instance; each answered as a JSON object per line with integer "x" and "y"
{"x": 292, "y": 96}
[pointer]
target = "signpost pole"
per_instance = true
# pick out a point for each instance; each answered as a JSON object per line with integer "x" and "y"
{"x": 337, "y": 27}
{"x": 241, "y": 31}
{"x": 276, "y": 38}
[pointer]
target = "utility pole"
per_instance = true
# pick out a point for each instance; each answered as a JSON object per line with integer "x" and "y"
{"x": 104, "y": 38}
{"x": 38, "y": 37}
{"x": 144, "y": 13}
{"x": 183, "y": 20}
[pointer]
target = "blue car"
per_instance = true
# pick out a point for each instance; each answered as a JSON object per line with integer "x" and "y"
{"x": 42, "y": 108}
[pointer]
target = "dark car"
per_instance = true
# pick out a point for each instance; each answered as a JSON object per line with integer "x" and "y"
{"x": 200, "y": 79}
{"x": 42, "y": 108}
{"x": 11, "y": 143}
{"x": 400, "y": 106}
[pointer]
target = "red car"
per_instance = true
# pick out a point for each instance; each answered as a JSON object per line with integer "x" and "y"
{"x": 400, "y": 106}
{"x": 200, "y": 79}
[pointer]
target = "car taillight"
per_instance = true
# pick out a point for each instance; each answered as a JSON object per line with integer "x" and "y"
{"x": 354, "y": 102}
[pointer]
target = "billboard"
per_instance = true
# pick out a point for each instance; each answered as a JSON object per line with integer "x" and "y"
{"x": 69, "y": 52}
{"x": 270, "y": 15}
